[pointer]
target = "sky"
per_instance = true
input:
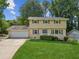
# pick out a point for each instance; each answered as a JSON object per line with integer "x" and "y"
{"x": 12, "y": 11}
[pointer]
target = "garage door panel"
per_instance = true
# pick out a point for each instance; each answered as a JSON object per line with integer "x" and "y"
{"x": 19, "y": 34}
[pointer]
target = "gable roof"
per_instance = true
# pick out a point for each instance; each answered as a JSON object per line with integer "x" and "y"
{"x": 74, "y": 31}
{"x": 17, "y": 27}
{"x": 74, "y": 34}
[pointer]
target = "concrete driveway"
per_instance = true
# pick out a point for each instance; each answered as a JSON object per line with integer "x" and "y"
{"x": 9, "y": 47}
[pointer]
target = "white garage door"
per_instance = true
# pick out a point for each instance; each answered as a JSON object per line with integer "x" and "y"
{"x": 19, "y": 34}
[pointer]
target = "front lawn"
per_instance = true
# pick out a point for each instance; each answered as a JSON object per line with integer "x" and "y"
{"x": 47, "y": 50}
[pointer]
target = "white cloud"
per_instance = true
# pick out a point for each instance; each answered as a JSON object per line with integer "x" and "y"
{"x": 11, "y": 4}
{"x": 13, "y": 13}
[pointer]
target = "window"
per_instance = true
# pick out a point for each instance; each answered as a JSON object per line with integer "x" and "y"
{"x": 44, "y": 31}
{"x": 56, "y": 31}
{"x": 60, "y": 31}
{"x": 46, "y": 21}
{"x": 35, "y": 21}
{"x": 57, "y": 21}
{"x": 35, "y": 31}
{"x": 52, "y": 31}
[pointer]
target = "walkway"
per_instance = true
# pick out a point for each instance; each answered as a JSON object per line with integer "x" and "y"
{"x": 9, "y": 47}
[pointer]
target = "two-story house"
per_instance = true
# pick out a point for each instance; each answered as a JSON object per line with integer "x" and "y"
{"x": 55, "y": 26}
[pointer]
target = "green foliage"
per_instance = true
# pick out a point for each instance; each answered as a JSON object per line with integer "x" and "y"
{"x": 3, "y": 5}
{"x": 31, "y": 8}
{"x": 4, "y": 26}
{"x": 46, "y": 37}
{"x": 22, "y": 21}
{"x": 46, "y": 4}
{"x": 73, "y": 41}
{"x": 66, "y": 39}
{"x": 64, "y": 8}
{"x": 60, "y": 8}
{"x": 12, "y": 22}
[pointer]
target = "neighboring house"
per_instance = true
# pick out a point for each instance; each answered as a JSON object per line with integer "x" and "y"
{"x": 55, "y": 26}
{"x": 74, "y": 34}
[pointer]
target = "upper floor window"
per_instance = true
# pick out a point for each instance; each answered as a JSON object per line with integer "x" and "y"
{"x": 35, "y": 31}
{"x": 35, "y": 21}
{"x": 57, "y": 21}
{"x": 45, "y": 31}
{"x": 46, "y": 21}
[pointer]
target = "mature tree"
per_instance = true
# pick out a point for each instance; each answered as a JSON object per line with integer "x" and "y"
{"x": 12, "y": 22}
{"x": 65, "y": 8}
{"x": 45, "y": 6}
{"x": 3, "y": 5}
{"x": 22, "y": 21}
{"x": 5, "y": 25}
{"x": 30, "y": 9}
{"x": 60, "y": 8}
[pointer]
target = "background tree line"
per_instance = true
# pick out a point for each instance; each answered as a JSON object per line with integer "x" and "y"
{"x": 3, "y": 23}
{"x": 35, "y": 8}
{"x": 58, "y": 8}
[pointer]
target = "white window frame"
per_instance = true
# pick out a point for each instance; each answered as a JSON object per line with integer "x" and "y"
{"x": 57, "y": 21}
{"x": 52, "y": 31}
{"x": 46, "y": 21}
{"x": 56, "y": 31}
{"x": 35, "y": 32}
{"x": 61, "y": 31}
{"x": 45, "y": 31}
{"x": 35, "y": 21}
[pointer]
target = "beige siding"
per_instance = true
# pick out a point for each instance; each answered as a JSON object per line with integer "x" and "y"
{"x": 49, "y": 33}
{"x": 51, "y": 25}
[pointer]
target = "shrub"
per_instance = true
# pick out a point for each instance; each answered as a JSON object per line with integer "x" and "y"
{"x": 55, "y": 38}
{"x": 73, "y": 41}
{"x": 66, "y": 38}
{"x": 46, "y": 37}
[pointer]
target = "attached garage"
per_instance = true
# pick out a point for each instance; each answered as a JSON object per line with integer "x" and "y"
{"x": 18, "y": 32}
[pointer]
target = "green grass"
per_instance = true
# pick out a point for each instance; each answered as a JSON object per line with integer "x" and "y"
{"x": 47, "y": 50}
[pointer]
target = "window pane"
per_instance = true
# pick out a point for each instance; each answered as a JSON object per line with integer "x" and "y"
{"x": 35, "y": 21}
{"x": 60, "y": 31}
{"x": 55, "y": 22}
{"x": 44, "y": 31}
{"x": 35, "y": 31}
{"x": 52, "y": 31}
{"x": 56, "y": 31}
{"x": 59, "y": 21}
{"x": 46, "y": 21}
